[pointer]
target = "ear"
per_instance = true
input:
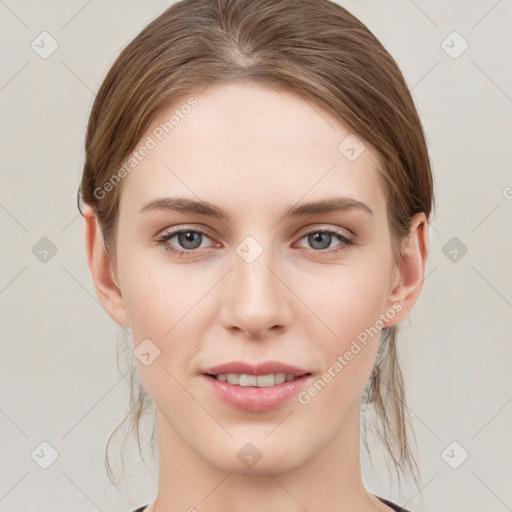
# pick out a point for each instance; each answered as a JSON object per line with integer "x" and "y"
{"x": 101, "y": 270}
{"x": 414, "y": 252}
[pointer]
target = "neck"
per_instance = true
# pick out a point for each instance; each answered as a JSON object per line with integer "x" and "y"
{"x": 330, "y": 480}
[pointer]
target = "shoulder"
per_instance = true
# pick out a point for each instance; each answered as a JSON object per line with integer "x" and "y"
{"x": 394, "y": 506}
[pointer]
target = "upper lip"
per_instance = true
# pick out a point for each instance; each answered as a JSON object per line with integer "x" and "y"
{"x": 264, "y": 368}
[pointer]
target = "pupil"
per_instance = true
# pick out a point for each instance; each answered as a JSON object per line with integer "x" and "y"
{"x": 317, "y": 238}
{"x": 188, "y": 238}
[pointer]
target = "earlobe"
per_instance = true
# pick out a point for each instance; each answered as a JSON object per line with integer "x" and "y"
{"x": 414, "y": 252}
{"x": 103, "y": 276}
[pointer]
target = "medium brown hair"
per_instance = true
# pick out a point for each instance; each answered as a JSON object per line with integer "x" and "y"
{"x": 315, "y": 48}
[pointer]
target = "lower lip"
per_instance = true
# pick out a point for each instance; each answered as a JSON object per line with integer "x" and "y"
{"x": 254, "y": 399}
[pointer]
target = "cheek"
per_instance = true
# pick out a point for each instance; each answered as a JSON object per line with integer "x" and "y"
{"x": 351, "y": 300}
{"x": 159, "y": 304}
{"x": 350, "y": 305}
{"x": 165, "y": 304}
{"x": 156, "y": 293}
{"x": 347, "y": 356}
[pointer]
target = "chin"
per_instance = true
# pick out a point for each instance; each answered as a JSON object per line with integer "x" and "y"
{"x": 257, "y": 457}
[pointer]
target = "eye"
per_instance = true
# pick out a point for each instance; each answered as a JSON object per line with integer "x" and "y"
{"x": 321, "y": 239}
{"x": 188, "y": 239}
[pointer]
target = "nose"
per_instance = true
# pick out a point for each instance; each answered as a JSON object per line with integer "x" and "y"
{"x": 255, "y": 300}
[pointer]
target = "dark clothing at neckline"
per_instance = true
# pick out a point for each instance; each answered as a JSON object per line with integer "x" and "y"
{"x": 394, "y": 506}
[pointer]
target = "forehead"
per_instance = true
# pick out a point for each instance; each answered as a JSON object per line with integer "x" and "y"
{"x": 241, "y": 143}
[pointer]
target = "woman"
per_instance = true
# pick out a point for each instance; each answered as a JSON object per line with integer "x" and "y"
{"x": 258, "y": 194}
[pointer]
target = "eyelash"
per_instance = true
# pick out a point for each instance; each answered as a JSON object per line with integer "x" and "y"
{"x": 187, "y": 253}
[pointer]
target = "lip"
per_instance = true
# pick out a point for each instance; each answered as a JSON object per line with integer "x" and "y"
{"x": 252, "y": 398}
{"x": 264, "y": 368}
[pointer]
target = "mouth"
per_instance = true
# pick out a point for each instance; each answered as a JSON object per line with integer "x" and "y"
{"x": 263, "y": 369}
{"x": 259, "y": 381}
{"x": 259, "y": 388}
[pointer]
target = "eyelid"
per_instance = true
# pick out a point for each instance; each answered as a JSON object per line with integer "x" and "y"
{"x": 183, "y": 227}
{"x": 313, "y": 228}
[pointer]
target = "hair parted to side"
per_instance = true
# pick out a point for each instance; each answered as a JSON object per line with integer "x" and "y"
{"x": 315, "y": 48}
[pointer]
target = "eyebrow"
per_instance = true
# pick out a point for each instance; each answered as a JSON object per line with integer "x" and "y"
{"x": 186, "y": 205}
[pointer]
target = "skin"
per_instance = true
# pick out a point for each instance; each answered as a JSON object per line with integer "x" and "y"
{"x": 241, "y": 145}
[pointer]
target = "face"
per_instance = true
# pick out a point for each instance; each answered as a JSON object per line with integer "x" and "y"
{"x": 311, "y": 289}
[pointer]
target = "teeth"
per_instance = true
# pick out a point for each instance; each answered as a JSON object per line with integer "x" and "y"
{"x": 260, "y": 381}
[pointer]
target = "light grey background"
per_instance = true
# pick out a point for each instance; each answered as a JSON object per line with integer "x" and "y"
{"x": 58, "y": 377}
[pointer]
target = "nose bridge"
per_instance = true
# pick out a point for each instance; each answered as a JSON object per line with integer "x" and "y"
{"x": 253, "y": 260}
{"x": 256, "y": 300}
